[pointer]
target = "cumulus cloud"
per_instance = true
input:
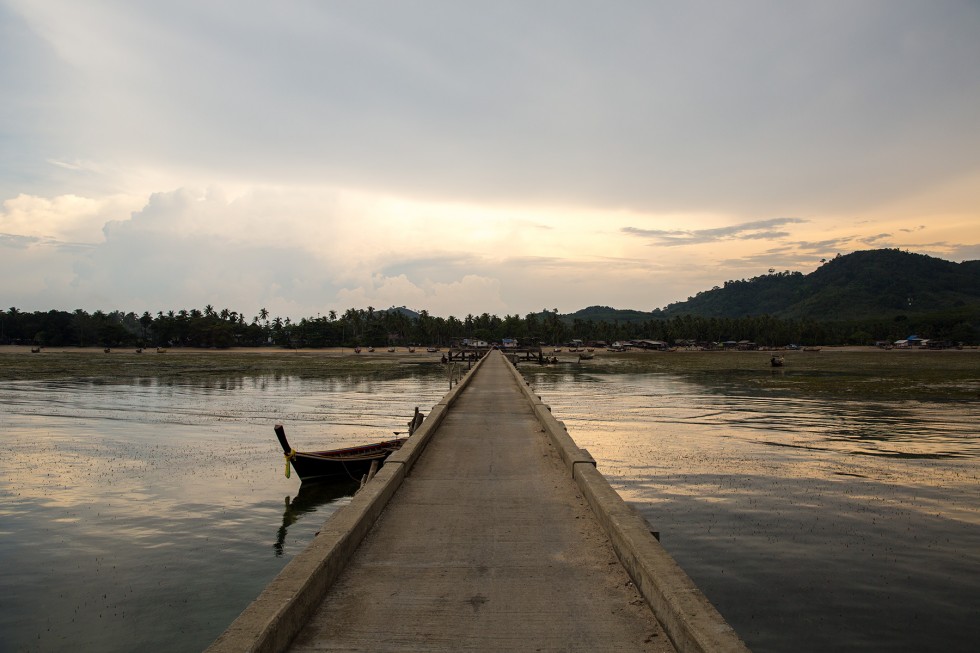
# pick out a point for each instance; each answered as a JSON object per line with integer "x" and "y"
{"x": 299, "y": 251}
{"x": 65, "y": 217}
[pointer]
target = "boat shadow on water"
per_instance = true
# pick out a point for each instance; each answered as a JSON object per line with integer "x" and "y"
{"x": 310, "y": 498}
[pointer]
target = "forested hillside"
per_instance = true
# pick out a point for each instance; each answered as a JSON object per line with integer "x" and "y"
{"x": 862, "y": 285}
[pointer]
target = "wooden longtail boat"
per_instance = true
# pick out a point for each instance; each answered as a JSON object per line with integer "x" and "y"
{"x": 336, "y": 464}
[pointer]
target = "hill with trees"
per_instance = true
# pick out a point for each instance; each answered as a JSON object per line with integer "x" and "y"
{"x": 862, "y": 285}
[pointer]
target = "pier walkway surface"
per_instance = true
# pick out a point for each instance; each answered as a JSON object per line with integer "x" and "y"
{"x": 487, "y": 543}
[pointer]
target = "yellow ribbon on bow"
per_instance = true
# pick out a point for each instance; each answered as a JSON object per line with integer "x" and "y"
{"x": 289, "y": 457}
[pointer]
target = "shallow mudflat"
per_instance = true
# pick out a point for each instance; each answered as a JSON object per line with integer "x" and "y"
{"x": 843, "y": 371}
{"x": 54, "y": 362}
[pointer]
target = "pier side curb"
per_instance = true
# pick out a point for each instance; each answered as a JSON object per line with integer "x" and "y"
{"x": 275, "y": 617}
{"x": 693, "y": 624}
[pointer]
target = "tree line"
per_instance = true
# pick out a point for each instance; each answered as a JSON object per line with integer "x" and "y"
{"x": 207, "y": 328}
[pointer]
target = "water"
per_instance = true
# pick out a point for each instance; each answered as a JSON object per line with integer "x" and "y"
{"x": 812, "y": 524}
{"x": 145, "y": 515}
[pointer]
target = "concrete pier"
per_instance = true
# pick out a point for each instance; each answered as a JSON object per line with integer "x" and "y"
{"x": 490, "y": 531}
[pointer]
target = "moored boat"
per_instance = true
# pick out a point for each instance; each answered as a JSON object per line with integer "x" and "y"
{"x": 346, "y": 464}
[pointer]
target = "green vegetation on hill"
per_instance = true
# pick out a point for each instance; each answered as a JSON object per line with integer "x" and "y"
{"x": 863, "y": 285}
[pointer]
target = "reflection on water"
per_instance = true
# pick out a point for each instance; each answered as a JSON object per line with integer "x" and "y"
{"x": 139, "y": 515}
{"x": 311, "y": 496}
{"x": 813, "y": 524}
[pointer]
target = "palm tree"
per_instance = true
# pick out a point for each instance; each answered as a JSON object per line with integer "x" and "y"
{"x": 80, "y": 319}
{"x": 145, "y": 322}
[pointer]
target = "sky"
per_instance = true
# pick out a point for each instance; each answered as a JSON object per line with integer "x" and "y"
{"x": 463, "y": 157}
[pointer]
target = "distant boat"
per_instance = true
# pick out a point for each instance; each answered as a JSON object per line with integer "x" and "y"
{"x": 776, "y": 361}
{"x": 411, "y": 350}
{"x": 348, "y": 464}
{"x": 811, "y": 349}
{"x": 391, "y": 349}
{"x": 586, "y": 357}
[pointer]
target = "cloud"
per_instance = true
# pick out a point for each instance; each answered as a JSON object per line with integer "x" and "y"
{"x": 14, "y": 241}
{"x": 297, "y": 251}
{"x": 308, "y": 155}
{"x": 965, "y": 252}
{"x": 65, "y": 217}
{"x": 824, "y": 246}
{"x": 468, "y": 294}
{"x": 656, "y": 106}
{"x": 757, "y": 230}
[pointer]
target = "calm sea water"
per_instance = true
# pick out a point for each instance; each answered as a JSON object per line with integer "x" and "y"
{"x": 812, "y": 524}
{"x": 147, "y": 515}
